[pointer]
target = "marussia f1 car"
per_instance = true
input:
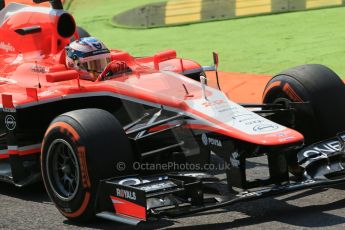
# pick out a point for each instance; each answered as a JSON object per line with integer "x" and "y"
{"x": 74, "y": 133}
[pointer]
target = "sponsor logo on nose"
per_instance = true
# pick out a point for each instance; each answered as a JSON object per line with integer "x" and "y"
{"x": 10, "y": 122}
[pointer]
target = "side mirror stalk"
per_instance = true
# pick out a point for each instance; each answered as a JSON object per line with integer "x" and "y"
{"x": 216, "y": 62}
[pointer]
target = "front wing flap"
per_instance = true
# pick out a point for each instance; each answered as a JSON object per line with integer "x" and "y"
{"x": 133, "y": 199}
{"x": 175, "y": 195}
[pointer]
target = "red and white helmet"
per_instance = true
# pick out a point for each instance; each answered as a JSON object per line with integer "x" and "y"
{"x": 87, "y": 54}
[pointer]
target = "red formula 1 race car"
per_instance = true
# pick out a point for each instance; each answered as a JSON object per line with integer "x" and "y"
{"x": 87, "y": 120}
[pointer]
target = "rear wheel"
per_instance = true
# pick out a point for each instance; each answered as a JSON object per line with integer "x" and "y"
{"x": 80, "y": 148}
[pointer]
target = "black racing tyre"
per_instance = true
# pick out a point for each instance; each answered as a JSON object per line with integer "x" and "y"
{"x": 322, "y": 88}
{"x": 79, "y": 149}
{"x": 82, "y": 33}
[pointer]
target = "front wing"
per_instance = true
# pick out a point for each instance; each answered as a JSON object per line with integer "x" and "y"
{"x": 134, "y": 199}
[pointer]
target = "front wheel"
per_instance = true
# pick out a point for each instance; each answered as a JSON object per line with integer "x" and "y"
{"x": 80, "y": 148}
{"x": 323, "y": 115}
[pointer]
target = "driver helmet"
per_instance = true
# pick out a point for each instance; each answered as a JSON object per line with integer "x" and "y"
{"x": 87, "y": 55}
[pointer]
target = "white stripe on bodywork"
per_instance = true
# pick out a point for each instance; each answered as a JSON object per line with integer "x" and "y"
{"x": 12, "y": 147}
{"x": 22, "y": 148}
{"x": 8, "y": 80}
{"x": 28, "y": 147}
{"x": 3, "y": 152}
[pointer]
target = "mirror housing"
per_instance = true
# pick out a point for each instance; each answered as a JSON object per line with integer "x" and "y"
{"x": 66, "y": 75}
{"x": 163, "y": 56}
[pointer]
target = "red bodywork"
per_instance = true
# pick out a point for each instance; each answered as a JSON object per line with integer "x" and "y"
{"x": 33, "y": 72}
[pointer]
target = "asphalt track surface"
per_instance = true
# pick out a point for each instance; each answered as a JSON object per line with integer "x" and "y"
{"x": 30, "y": 208}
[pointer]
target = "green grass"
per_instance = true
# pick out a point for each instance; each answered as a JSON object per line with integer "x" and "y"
{"x": 263, "y": 44}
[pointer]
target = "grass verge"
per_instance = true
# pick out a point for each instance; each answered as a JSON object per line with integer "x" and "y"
{"x": 263, "y": 45}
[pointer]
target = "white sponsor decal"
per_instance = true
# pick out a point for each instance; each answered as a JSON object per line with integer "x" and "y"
{"x": 234, "y": 159}
{"x": 137, "y": 181}
{"x": 153, "y": 187}
{"x": 126, "y": 194}
{"x": 7, "y": 47}
{"x": 10, "y": 122}
{"x": 209, "y": 140}
{"x": 323, "y": 149}
{"x": 215, "y": 142}
{"x": 221, "y": 109}
{"x": 265, "y": 128}
{"x": 204, "y": 139}
{"x": 39, "y": 69}
{"x": 131, "y": 181}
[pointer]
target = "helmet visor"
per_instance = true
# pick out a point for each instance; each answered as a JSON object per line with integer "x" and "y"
{"x": 95, "y": 65}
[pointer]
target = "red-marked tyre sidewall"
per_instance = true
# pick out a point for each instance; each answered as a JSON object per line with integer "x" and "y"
{"x": 285, "y": 87}
{"x": 99, "y": 143}
{"x": 79, "y": 206}
{"x": 322, "y": 89}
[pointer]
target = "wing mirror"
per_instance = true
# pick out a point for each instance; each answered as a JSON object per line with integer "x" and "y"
{"x": 214, "y": 67}
{"x": 163, "y": 56}
{"x": 62, "y": 76}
